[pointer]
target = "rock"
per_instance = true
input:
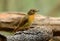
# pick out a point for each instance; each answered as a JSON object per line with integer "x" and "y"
{"x": 10, "y": 19}
{"x": 2, "y": 38}
{"x": 34, "y": 34}
{"x": 55, "y": 38}
{"x": 13, "y": 18}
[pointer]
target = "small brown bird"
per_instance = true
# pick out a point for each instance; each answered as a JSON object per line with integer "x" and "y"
{"x": 27, "y": 20}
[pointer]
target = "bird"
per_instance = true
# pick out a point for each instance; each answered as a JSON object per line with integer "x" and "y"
{"x": 27, "y": 20}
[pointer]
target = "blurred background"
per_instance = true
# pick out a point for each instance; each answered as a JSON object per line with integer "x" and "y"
{"x": 46, "y": 7}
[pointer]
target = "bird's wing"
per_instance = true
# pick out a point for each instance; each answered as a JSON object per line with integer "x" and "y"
{"x": 23, "y": 21}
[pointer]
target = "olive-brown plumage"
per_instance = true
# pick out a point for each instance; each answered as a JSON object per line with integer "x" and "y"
{"x": 26, "y": 21}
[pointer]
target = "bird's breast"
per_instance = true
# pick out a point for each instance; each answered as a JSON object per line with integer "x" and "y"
{"x": 31, "y": 18}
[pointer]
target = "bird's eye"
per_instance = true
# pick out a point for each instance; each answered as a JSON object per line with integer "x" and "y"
{"x": 33, "y": 10}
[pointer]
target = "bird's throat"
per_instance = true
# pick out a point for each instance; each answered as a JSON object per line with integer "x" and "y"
{"x": 31, "y": 18}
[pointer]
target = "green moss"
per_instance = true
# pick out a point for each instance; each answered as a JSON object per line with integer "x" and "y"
{"x": 6, "y": 33}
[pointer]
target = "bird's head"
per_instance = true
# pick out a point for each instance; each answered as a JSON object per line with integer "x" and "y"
{"x": 32, "y": 11}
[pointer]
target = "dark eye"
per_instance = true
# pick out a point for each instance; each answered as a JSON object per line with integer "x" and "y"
{"x": 33, "y": 11}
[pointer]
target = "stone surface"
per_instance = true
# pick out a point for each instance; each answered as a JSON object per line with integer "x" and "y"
{"x": 55, "y": 38}
{"x": 33, "y": 34}
{"x": 10, "y": 19}
{"x": 2, "y": 38}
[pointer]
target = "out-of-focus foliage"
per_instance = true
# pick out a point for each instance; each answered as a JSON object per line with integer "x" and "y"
{"x": 46, "y": 7}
